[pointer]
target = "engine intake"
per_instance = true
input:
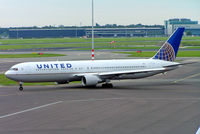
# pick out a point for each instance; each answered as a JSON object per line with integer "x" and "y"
{"x": 90, "y": 80}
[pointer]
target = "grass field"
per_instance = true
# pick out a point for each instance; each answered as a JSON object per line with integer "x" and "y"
{"x": 64, "y": 40}
{"x": 151, "y": 54}
{"x": 32, "y": 55}
{"x": 81, "y": 42}
{"x": 137, "y": 48}
{"x": 196, "y": 47}
{"x": 86, "y": 45}
{"x": 120, "y": 45}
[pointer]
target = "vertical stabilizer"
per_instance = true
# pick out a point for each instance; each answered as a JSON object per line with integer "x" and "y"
{"x": 169, "y": 50}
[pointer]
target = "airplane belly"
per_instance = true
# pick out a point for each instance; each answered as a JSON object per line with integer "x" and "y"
{"x": 43, "y": 78}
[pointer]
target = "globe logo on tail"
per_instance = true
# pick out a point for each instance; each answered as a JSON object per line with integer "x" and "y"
{"x": 169, "y": 50}
{"x": 166, "y": 53}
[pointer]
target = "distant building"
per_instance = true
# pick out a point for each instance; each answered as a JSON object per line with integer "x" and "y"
{"x": 3, "y": 33}
{"x": 191, "y": 27}
{"x": 46, "y": 33}
{"x": 125, "y": 32}
{"x": 80, "y": 32}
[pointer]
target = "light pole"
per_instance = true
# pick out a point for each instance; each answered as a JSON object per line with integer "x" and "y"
{"x": 92, "y": 30}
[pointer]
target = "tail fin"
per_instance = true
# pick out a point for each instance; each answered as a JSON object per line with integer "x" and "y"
{"x": 168, "y": 51}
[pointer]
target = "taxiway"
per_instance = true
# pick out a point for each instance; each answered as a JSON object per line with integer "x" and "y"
{"x": 161, "y": 104}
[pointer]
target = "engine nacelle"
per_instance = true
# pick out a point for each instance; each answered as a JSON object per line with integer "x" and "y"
{"x": 90, "y": 80}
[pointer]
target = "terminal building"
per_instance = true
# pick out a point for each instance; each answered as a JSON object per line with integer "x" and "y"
{"x": 126, "y": 32}
{"x": 80, "y": 32}
{"x": 46, "y": 33}
{"x": 191, "y": 27}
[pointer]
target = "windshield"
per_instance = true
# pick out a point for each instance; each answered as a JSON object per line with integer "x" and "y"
{"x": 14, "y": 69}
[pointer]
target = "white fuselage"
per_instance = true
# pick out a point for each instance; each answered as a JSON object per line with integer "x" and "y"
{"x": 66, "y": 71}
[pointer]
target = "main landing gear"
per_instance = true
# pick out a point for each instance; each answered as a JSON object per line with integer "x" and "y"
{"x": 107, "y": 85}
{"x": 21, "y": 86}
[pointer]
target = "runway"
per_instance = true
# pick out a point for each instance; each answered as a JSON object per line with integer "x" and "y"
{"x": 163, "y": 104}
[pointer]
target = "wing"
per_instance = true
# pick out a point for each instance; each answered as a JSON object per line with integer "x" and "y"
{"x": 131, "y": 71}
{"x": 117, "y": 73}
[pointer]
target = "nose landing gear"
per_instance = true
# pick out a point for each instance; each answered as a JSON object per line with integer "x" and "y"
{"x": 21, "y": 86}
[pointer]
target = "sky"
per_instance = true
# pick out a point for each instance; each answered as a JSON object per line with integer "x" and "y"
{"x": 18, "y": 13}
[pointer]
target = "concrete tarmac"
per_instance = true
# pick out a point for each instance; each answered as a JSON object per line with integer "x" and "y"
{"x": 162, "y": 104}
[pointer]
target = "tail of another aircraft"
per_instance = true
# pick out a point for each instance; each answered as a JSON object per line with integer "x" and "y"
{"x": 169, "y": 50}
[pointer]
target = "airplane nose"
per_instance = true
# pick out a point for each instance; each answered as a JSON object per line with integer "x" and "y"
{"x": 9, "y": 74}
{"x": 6, "y": 73}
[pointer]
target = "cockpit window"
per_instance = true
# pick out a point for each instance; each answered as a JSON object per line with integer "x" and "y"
{"x": 14, "y": 69}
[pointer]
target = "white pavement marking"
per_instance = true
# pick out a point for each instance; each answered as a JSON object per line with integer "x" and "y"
{"x": 188, "y": 77}
{"x": 103, "y": 99}
{"x": 28, "y": 110}
{"x": 35, "y": 108}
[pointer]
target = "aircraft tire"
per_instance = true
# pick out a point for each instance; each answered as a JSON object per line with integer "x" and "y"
{"x": 20, "y": 88}
{"x": 107, "y": 85}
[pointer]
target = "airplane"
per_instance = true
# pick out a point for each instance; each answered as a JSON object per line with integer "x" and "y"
{"x": 198, "y": 131}
{"x": 95, "y": 72}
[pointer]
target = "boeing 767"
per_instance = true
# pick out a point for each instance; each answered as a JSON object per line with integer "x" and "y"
{"x": 94, "y": 72}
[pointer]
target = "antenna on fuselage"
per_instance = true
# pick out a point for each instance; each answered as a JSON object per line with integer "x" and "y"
{"x": 92, "y": 30}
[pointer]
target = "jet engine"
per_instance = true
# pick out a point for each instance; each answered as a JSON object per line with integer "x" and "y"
{"x": 90, "y": 80}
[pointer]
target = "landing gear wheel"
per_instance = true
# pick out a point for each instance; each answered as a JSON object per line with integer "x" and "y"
{"x": 107, "y": 85}
{"x": 110, "y": 85}
{"x": 21, "y": 86}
